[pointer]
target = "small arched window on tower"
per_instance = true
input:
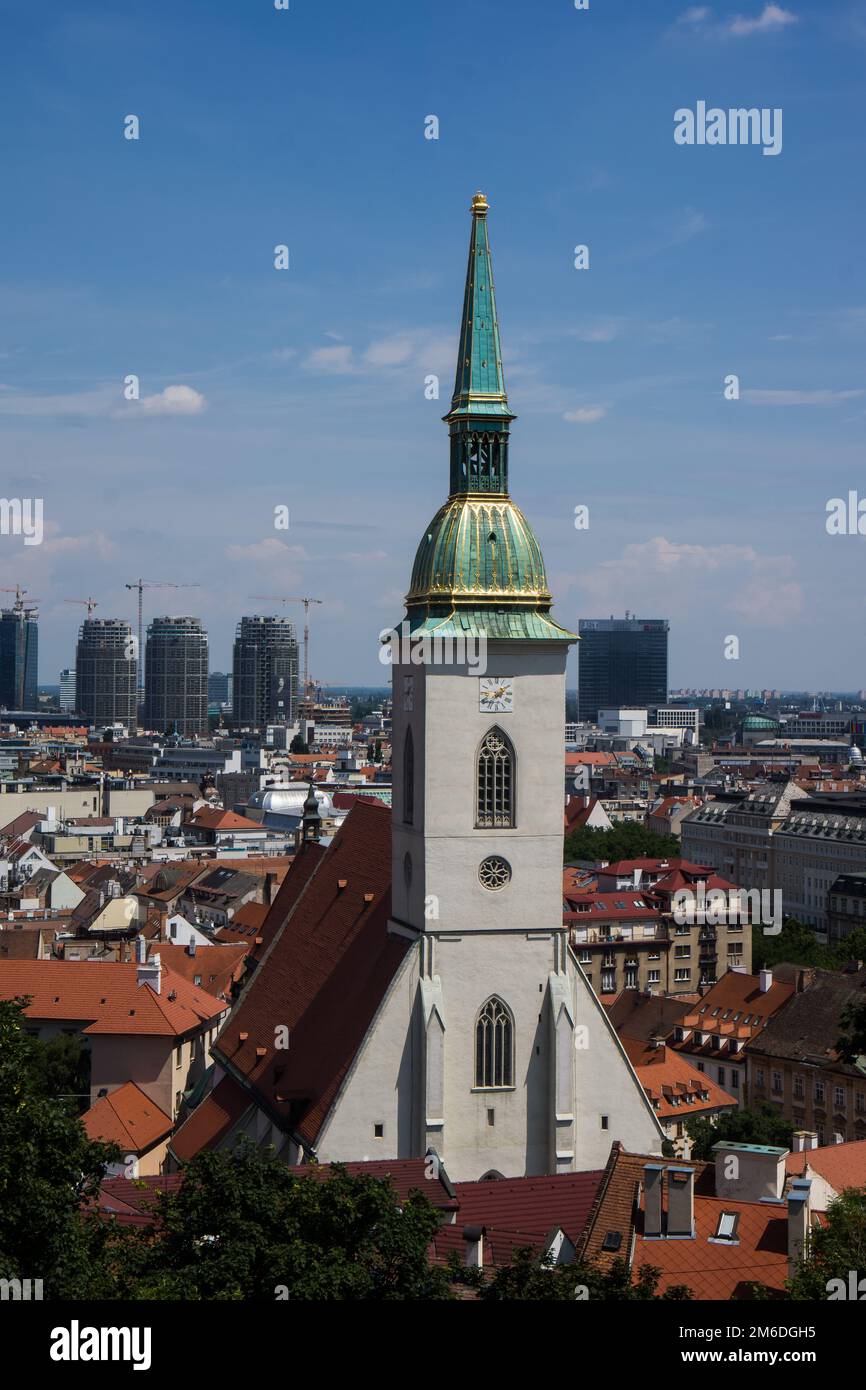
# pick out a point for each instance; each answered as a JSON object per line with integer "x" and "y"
{"x": 409, "y": 778}
{"x": 494, "y": 1046}
{"x": 495, "y": 782}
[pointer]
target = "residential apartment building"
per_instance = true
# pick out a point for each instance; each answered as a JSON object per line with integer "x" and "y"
{"x": 175, "y": 676}
{"x": 620, "y": 941}
{"x": 847, "y": 906}
{"x": 812, "y": 849}
{"x": 794, "y": 1064}
{"x": 737, "y": 836}
{"x": 142, "y": 1022}
{"x": 265, "y": 672}
{"x": 714, "y": 1035}
{"x": 106, "y": 673}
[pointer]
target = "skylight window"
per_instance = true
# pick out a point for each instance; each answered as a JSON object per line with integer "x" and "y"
{"x": 727, "y": 1227}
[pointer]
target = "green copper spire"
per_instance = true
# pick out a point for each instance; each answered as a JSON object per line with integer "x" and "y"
{"x": 479, "y": 570}
{"x": 480, "y": 415}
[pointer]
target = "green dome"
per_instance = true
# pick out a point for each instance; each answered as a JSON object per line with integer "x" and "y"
{"x": 755, "y": 722}
{"x": 479, "y": 550}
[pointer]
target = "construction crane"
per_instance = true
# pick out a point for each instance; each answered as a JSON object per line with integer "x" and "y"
{"x": 90, "y": 604}
{"x": 20, "y": 606}
{"x": 293, "y": 598}
{"x": 141, "y": 585}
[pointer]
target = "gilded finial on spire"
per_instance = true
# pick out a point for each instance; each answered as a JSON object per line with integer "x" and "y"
{"x": 479, "y": 205}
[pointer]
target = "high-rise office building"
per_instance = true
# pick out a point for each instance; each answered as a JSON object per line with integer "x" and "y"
{"x": 622, "y": 662}
{"x": 265, "y": 684}
{"x": 175, "y": 676}
{"x": 219, "y": 688}
{"x": 19, "y": 655}
{"x": 67, "y": 690}
{"x": 106, "y": 672}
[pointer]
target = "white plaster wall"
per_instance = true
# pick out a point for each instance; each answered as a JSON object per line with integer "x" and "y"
{"x": 445, "y": 846}
{"x": 605, "y": 1083}
{"x": 515, "y": 967}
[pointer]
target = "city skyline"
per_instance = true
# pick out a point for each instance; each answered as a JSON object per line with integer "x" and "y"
{"x": 305, "y": 389}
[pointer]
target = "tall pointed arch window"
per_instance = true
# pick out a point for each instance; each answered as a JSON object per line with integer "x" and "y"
{"x": 409, "y": 778}
{"x": 495, "y": 803}
{"x": 494, "y": 1046}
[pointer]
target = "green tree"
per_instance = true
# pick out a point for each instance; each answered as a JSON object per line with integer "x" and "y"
{"x": 298, "y": 745}
{"x": 242, "y": 1226}
{"x": 798, "y": 944}
{"x": 49, "y": 1171}
{"x": 526, "y": 1279}
{"x": 834, "y": 1249}
{"x": 628, "y": 840}
{"x": 762, "y": 1125}
{"x": 852, "y": 1040}
{"x": 61, "y": 1068}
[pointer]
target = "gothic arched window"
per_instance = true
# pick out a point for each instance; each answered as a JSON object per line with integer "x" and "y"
{"x": 495, "y": 782}
{"x": 409, "y": 778}
{"x": 494, "y": 1046}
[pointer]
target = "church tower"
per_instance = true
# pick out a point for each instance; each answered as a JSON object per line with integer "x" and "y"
{"x": 478, "y": 745}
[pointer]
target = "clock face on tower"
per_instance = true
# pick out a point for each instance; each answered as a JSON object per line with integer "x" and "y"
{"x": 495, "y": 694}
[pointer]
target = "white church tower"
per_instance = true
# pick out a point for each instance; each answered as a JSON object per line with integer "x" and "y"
{"x": 514, "y": 1066}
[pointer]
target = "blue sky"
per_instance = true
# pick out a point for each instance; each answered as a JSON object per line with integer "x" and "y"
{"x": 305, "y": 387}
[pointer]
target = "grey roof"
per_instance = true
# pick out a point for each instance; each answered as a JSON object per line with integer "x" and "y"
{"x": 807, "y": 1028}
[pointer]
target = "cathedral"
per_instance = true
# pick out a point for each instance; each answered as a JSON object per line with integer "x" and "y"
{"x": 419, "y": 994}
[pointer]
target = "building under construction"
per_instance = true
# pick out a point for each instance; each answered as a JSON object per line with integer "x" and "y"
{"x": 106, "y": 672}
{"x": 265, "y": 673}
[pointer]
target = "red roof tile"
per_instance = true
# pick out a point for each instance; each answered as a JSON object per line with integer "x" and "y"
{"x": 530, "y": 1205}
{"x": 105, "y": 997}
{"x": 127, "y": 1117}
{"x": 324, "y": 975}
{"x": 212, "y": 1120}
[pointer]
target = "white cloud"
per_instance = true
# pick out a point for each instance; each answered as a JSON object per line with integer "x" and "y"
{"x": 585, "y": 415}
{"x": 799, "y": 397}
{"x": 771, "y": 17}
{"x": 419, "y": 348}
{"x": 389, "y": 352}
{"x": 700, "y": 18}
{"x": 174, "y": 400}
{"x": 335, "y": 360}
{"x": 676, "y": 579}
{"x": 266, "y": 550}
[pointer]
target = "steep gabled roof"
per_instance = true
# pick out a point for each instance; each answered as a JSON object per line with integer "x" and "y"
{"x": 105, "y": 997}
{"x": 127, "y": 1117}
{"x": 531, "y": 1206}
{"x": 212, "y": 1120}
{"x": 322, "y": 978}
{"x": 711, "y": 1269}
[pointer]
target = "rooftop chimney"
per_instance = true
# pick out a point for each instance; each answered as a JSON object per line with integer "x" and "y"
{"x": 765, "y": 980}
{"x": 140, "y": 950}
{"x": 652, "y": 1202}
{"x": 681, "y": 1202}
{"x": 749, "y": 1172}
{"x": 474, "y": 1237}
{"x": 191, "y": 947}
{"x": 150, "y": 973}
{"x": 799, "y": 1219}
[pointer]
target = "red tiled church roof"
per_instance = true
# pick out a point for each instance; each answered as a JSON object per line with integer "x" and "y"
{"x": 323, "y": 976}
